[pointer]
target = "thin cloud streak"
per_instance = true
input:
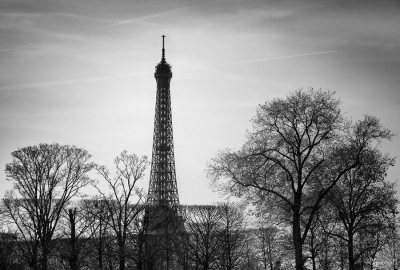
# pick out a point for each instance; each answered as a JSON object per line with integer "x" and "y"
{"x": 60, "y": 83}
{"x": 148, "y": 16}
{"x": 15, "y": 48}
{"x": 160, "y": 14}
{"x": 274, "y": 58}
{"x": 96, "y": 79}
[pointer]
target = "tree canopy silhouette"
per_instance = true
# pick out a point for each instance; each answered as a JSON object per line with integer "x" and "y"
{"x": 299, "y": 148}
{"x": 46, "y": 177}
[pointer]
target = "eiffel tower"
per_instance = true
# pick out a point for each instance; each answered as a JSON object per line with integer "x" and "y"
{"x": 165, "y": 223}
{"x": 163, "y": 190}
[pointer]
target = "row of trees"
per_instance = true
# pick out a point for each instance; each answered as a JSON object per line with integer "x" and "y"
{"x": 216, "y": 237}
{"x": 46, "y": 226}
{"x": 41, "y": 208}
{"x": 314, "y": 181}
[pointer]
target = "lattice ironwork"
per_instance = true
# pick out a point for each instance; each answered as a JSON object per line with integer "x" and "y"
{"x": 163, "y": 190}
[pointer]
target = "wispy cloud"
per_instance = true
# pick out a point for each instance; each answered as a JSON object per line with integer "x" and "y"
{"x": 54, "y": 24}
{"x": 274, "y": 58}
{"x": 15, "y": 48}
{"x": 96, "y": 79}
{"x": 150, "y": 16}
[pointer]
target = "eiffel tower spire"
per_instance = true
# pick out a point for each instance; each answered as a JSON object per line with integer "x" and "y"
{"x": 163, "y": 190}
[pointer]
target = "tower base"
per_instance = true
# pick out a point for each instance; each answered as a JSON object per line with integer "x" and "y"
{"x": 166, "y": 236}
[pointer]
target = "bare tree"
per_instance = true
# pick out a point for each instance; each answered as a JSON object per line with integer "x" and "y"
{"x": 318, "y": 245}
{"x": 294, "y": 157}
{"x": 45, "y": 178}
{"x": 76, "y": 245}
{"x": 267, "y": 245}
{"x": 270, "y": 236}
{"x": 96, "y": 215}
{"x": 125, "y": 201}
{"x": 8, "y": 244}
{"x": 250, "y": 260}
{"x": 233, "y": 235}
{"x": 205, "y": 236}
{"x": 365, "y": 203}
{"x": 389, "y": 256}
{"x": 8, "y": 252}
{"x": 141, "y": 244}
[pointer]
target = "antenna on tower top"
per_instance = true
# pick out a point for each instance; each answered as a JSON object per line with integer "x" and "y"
{"x": 163, "y": 50}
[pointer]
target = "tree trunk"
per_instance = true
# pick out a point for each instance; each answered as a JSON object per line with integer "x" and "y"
{"x": 350, "y": 248}
{"x": 140, "y": 255}
{"x": 33, "y": 263}
{"x": 121, "y": 255}
{"x": 100, "y": 253}
{"x": 297, "y": 241}
{"x": 122, "y": 263}
{"x": 313, "y": 252}
{"x": 100, "y": 248}
{"x": 45, "y": 255}
{"x": 73, "y": 260}
{"x": 313, "y": 259}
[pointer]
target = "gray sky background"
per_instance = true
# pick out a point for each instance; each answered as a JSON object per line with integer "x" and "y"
{"x": 82, "y": 72}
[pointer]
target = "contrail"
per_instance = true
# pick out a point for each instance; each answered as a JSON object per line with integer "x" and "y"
{"x": 274, "y": 58}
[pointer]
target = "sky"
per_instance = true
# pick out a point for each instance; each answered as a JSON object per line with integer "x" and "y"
{"x": 81, "y": 72}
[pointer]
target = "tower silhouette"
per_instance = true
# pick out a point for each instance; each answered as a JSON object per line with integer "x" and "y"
{"x": 163, "y": 190}
{"x": 164, "y": 222}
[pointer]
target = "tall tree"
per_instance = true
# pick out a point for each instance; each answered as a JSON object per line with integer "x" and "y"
{"x": 365, "y": 203}
{"x": 46, "y": 177}
{"x": 294, "y": 157}
{"x": 125, "y": 200}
